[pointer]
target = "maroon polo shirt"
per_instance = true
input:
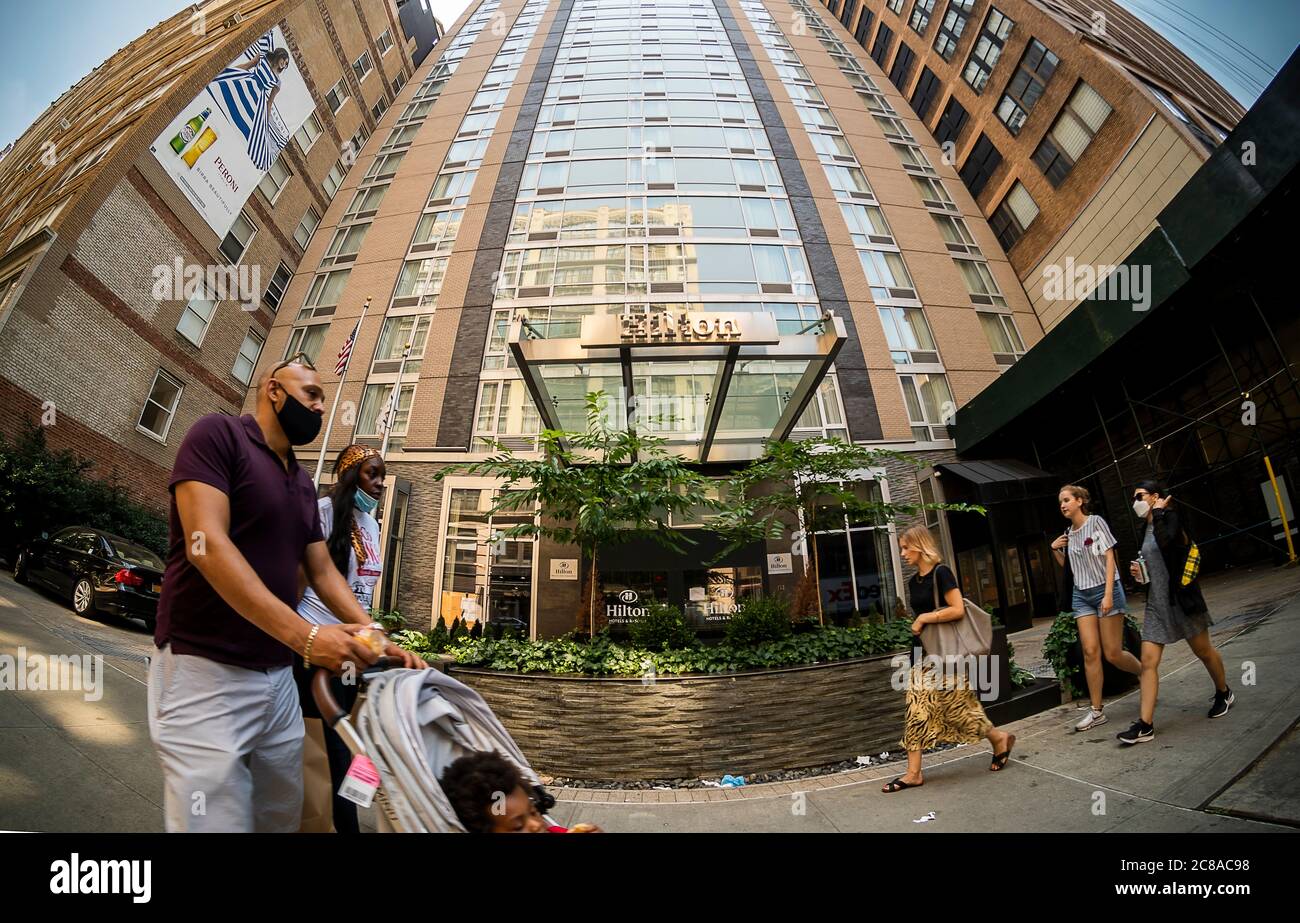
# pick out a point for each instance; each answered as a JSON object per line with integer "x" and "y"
{"x": 273, "y": 518}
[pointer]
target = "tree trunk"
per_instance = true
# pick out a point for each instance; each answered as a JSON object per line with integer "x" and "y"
{"x": 811, "y": 539}
{"x": 591, "y": 611}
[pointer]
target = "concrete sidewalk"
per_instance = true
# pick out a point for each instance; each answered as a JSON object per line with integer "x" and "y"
{"x": 67, "y": 764}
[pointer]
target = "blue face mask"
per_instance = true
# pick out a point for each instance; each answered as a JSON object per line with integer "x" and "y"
{"x": 364, "y": 501}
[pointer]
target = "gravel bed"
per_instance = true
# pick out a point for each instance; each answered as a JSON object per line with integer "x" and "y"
{"x": 781, "y": 775}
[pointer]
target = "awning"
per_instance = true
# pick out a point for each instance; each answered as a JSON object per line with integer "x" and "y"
{"x": 1001, "y": 480}
{"x": 717, "y": 386}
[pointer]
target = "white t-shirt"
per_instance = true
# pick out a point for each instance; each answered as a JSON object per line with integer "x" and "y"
{"x": 1088, "y": 546}
{"x": 362, "y": 580}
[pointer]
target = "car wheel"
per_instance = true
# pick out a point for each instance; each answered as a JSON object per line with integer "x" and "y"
{"x": 20, "y": 568}
{"x": 83, "y": 597}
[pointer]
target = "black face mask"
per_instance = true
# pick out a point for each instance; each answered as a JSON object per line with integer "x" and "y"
{"x": 300, "y": 423}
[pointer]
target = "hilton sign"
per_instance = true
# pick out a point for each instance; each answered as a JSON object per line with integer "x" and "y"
{"x": 678, "y": 328}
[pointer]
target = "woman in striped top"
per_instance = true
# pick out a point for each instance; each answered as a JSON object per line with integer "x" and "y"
{"x": 1098, "y": 597}
{"x": 246, "y": 94}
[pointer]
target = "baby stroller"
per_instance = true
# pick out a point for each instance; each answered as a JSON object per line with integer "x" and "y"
{"x": 413, "y": 724}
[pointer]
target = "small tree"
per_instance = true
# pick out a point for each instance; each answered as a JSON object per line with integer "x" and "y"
{"x": 599, "y": 487}
{"x": 808, "y": 486}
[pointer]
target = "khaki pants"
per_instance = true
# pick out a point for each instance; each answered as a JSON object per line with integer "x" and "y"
{"x": 230, "y": 743}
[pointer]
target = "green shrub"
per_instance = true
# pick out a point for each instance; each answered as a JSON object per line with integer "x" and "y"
{"x": 438, "y": 636}
{"x": 662, "y": 628}
{"x": 760, "y": 619}
{"x": 390, "y": 619}
{"x": 1060, "y": 639}
{"x": 43, "y": 490}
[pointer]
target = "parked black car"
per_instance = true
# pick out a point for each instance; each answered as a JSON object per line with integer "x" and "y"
{"x": 95, "y": 571}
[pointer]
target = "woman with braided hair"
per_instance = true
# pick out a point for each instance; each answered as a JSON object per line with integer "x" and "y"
{"x": 352, "y": 536}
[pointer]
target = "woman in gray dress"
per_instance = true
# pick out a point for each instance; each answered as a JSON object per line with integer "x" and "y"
{"x": 1175, "y": 609}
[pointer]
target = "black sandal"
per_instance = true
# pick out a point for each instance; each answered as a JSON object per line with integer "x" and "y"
{"x": 1000, "y": 759}
{"x": 898, "y": 785}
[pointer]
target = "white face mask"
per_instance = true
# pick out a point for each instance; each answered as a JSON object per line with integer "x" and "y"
{"x": 1141, "y": 508}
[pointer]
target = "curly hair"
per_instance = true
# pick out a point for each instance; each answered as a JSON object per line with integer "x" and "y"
{"x": 472, "y": 782}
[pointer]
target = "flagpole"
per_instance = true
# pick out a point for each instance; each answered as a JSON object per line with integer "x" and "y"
{"x": 390, "y": 418}
{"x": 329, "y": 426}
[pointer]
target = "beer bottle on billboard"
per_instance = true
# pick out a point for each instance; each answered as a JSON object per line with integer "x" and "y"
{"x": 189, "y": 131}
{"x": 205, "y": 141}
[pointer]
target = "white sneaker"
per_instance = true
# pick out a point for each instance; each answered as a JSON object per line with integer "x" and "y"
{"x": 1090, "y": 720}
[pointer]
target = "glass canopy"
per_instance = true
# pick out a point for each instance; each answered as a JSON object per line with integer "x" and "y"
{"x": 715, "y": 385}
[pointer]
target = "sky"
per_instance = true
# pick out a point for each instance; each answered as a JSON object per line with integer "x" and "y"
{"x": 48, "y": 45}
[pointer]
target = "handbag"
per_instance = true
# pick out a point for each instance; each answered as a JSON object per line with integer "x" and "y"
{"x": 971, "y": 635}
{"x": 1192, "y": 566}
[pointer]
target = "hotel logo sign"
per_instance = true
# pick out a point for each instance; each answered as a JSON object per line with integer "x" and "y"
{"x": 678, "y": 328}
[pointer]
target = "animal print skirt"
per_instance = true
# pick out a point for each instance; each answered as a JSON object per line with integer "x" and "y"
{"x": 941, "y": 710}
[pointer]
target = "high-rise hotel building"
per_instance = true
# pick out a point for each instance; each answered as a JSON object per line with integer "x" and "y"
{"x": 721, "y": 213}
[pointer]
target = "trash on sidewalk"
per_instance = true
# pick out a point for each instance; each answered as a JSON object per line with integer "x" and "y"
{"x": 864, "y": 761}
{"x": 710, "y": 783}
{"x": 732, "y": 781}
{"x": 884, "y": 756}
{"x": 663, "y": 788}
{"x": 925, "y": 819}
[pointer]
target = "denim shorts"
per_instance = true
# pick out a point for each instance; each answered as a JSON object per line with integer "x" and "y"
{"x": 1088, "y": 602}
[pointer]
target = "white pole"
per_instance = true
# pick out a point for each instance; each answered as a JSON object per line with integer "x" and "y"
{"x": 329, "y": 426}
{"x": 390, "y": 417}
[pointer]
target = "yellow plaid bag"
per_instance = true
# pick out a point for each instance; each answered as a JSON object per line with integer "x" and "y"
{"x": 1192, "y": 566}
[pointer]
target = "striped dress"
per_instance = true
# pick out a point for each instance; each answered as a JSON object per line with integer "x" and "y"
{"x": 244, "y": 96}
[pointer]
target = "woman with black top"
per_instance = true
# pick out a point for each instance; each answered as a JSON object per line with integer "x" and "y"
{"x": 1175, "y": 610}
{"x": 939, "y": 709}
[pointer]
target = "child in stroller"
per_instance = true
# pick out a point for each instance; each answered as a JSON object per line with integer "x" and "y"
{"x": 490, "y": 795}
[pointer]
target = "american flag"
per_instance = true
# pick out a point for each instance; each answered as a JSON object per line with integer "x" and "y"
{"x": 346, "y": 352}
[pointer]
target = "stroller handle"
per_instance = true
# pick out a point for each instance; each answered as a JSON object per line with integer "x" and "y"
{"x": 330, "y": 710}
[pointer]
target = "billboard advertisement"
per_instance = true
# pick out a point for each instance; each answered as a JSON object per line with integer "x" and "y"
{"x": 220, "y": 146}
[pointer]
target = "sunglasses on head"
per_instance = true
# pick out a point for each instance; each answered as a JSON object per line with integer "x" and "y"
{"x": 299, "y": 358}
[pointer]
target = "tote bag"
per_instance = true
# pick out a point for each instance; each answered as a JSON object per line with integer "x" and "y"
{"x": 971, "y": 635}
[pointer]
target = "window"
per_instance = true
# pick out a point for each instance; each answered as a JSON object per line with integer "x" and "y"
{"x": 980, "y": 164}
{"x": 306, "y": 227}
{"x": 902, "y": 68}
{"x": 1080, "y": 119}
{"x": 956, "y": 236}
{"x": 846, "y": 14}
{"x": 337, "y": 96}
{"x": 950, "y": 30}
{"x": 932, "y": 192}
{"x": 379, "y": 108}
{"x": 398, "y": 332}
{"x": 160, "y": 406}
{"x": 506, "y": 413}
{"x": 864, "y": 27}
{"x": 385, "y": 42}
{"x": 895, "y": 6}
{"x": 195, "y": 317}
{"x": 437, "y": 231}
{"x": 246, "y": 361}
{"x": 1026, "y": 86}
{"x": 988, "y": 48}
{"x": 951, "y": 122}
{"x": 867, "y": 225}
{"x": 347, "y": 243}
{"x": 366, "y": 202}
{"x": 1003, "y": 337}
{"x": 921, "y": 13}
{"x": 887, "y": 274}
{"x": 880, "y": 50}
{"x": 930, "y": 406}
{"x": 1017, "y": 211}
{"x": 362, "y": 66}
{"x": 421, "y": 279}
{"x": 333, "y": 181}
{"x": 324, "y": 294}
{"x": 1210, "y": 141}
{"x": 307, "y": 135}
{"x": 235, "y": 244}
{"x": 908, "y": 335}
{"x": 306, "y": 340}
{"x": 375, "y": 404}
{"x": 275, "y": 290}
{"x": 927, "y": 90}
{"x": 980, "y": 283}
{"x": 398, "y": 82}
{"x": 274, "y": 180}
{"x": 385, "y": 166}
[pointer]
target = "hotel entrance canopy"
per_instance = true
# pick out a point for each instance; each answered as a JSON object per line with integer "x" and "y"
{"x": 717, "y": 386}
